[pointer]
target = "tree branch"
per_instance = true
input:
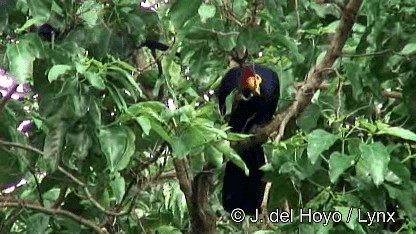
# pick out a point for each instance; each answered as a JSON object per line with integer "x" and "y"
{"x": 185, "y": 179}
{"x": 7, "y": 202}
{"x": 313, "y": 80}
{"x": 69, "y": 175}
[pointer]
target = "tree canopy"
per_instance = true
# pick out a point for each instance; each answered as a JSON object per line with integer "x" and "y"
{"x": 100, "y": 134}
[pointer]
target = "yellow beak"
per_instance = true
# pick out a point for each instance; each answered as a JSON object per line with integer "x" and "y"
{"x": 254, "y": 83}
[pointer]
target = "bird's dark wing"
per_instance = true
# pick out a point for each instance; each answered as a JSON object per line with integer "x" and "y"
{"x": 239, "y": 190}
{"x": 228, "y": 84}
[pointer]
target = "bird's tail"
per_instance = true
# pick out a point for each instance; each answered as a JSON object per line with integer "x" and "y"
{"x": 241, "y": 191}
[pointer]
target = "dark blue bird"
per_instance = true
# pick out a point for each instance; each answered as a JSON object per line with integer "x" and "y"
{"x": 256, "y": 102}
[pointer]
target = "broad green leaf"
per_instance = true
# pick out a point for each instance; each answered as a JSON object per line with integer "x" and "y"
{"x": 229, "y": 100}
{"x": 409, "y": 49}
{"x": 161, "y": 131}
{"x": 239, "y": 7}
{"x": 54, "y": 142}
{"x": 351, "y": 213}
{"x": 183, "y": 10}
{"x": 338, "y": 164}
{"x": 213, "y": 155}
{"x": 318, "y": 141}
{"x": 145, "y": 124}
{"x": 228, "y": 41}
{"x": 95, "y": 80}
{"x": 224, "y": 147}
{"x": 129, "y": 78}
{"x": 290, "y": 45}
{"x": 40, "y": 8}
{"x": 396, "y": 131}
{"x": 129, "y": 150}
{"x": 309, "y": 117}
{"x": 58, "y": 70}
{"x": 252, "y": 39}
{"x": 21, "y": 62}
{"x": 10, "y": 172}
{"x": 38, "y": 223}
{"x": 353, "y": 73}
{"x": 89, "y": 12}
{"x": 206, "y": 11}
{"x": 376, "y": 158}
{"x": 189, "y": 139}
{"x": 404, "y": 196}
{"x": 118, "y": 185}
{"x": 117, "y": 143}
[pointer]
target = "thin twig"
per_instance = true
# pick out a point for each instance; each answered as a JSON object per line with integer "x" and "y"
{"x": 7, "y": 202}
{"x": 69, "y": 175}
{"x": 37, "y": 185}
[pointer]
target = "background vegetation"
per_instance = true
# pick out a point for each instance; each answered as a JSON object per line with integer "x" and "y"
{"x": 117, "y": 138}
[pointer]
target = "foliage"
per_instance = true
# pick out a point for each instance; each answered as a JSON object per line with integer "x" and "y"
{"x": 103, "y": 112}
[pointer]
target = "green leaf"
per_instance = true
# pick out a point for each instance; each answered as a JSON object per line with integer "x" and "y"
{"x": 232, "y": 136}
{"x": 352, "y": 223}
{"x": 118, "y": 185}
{"x": 30, "y": 22}
{"x": 405, "y": 197}
{"x": 224, "y": 147}
{"x": 129, "y": 78}
{"x": 9, "y": 168}
{"x": 117, "y": 97}
{"x": 21, "y": 62}
{"x": 183, "y": 10}
{"x": 160, "y": 130}
{"x": 95, "y": 80}
{"x": 129, "y": 150}
{"x": 309, "y": 118}
{"x": 395, "y": 131}
{"x": 190, "y": 138}
{"x": 54, "y": 142}
{"x": 40, "y": 8}
{"x": 376, "y": 158}
{"x": 214, "y": 156}
{"x": 38, "y": 223}
{"x": 409, "y": 49}
{"x": 338, "y": 164}
{"x": 117, "y": 143}
{"x": 58, "y": 70}
{"x": 318, "y": 141}
{"x": 229, "y": 100}
{"x": 290, "y": 44}
{"x": 145, "y": 124}
{"x": 89, "y": 12}
{"x": 228, "y": 41}
{"x": 252, "y": 39}
{"x": 206, "y": 11}
{"x": 353, "y": 73}
{"x": 239, "y": 7}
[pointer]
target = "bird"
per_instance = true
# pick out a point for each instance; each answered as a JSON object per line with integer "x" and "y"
{"x": 258, "y": 94}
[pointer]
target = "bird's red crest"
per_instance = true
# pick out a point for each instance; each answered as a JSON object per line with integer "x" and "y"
{"x": 247, "y": 72}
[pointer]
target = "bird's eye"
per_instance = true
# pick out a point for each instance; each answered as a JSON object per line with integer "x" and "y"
{"x": 258, "y": 78}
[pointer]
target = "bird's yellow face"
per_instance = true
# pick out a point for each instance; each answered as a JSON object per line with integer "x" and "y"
{"x": 253, "y": 83}
{"x": 250, "y": 80}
